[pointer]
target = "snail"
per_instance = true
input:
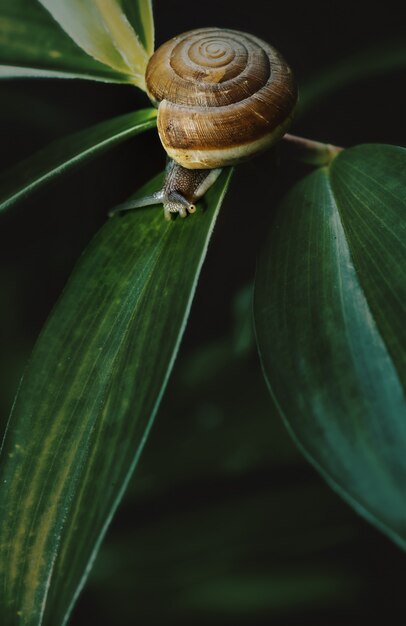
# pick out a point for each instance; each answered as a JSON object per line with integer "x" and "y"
{"x": 223, "y": 96}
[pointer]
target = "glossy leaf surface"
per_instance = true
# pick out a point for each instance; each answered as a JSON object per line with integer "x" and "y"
{"x": 102, "y": 29}
{"x": 330, "y": 318}
{"x": 33, "y": 44}
{"x": 64, "y": 154}
{"x": 87, "y": 401}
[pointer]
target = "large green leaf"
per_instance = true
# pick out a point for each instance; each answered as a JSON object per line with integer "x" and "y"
{"x": 103, "y": 30}
{"x": 64, "y": 154}
{"x": 87, "y": 401}
{"x": 33, "y": 44}
{"x": 329, "y": 308}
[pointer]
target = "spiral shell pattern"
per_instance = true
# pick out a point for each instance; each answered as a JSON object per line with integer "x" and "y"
{"x": 223, "y": 96}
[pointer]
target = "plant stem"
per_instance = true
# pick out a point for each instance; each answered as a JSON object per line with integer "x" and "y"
{"x": 310, "y": 151}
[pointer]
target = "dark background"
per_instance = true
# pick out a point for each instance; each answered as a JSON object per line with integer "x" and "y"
{"x": 224, "y": 522}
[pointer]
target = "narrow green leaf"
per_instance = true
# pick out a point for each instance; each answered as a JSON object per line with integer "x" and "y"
{"x": 379, "y": 59}
{"x": 329, "y": 311}
{"x": 64, "y": 154}
{"x": 87, "y": 402}
{"x": 103, "y": 30}
{"x": 32, "y": 44}
{"x": 141, "y": 17}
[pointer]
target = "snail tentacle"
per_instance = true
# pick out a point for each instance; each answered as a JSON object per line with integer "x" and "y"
{"x": 180, "y": 190}
{"x": 154, "y": 199}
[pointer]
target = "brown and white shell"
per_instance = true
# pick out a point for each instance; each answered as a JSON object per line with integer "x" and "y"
{"x": 223, "y": 96}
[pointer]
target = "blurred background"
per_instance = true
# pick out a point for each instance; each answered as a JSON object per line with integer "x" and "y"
{"x": 224, "y": 521}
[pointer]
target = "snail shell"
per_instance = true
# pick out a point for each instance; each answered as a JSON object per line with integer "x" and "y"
{"x": 224, "y": 96}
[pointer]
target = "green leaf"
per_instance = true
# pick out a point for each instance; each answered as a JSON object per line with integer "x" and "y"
{"x": 103, "y": 30}
{"x": 329, "y": 311}
{"x": 87, "y": 402}
{"x": 64, "y": 154}
{"x": 378, "y": 60}
{"x": 231, "y": 549}
{"x": 141, "y": 17}
{"x": 32, "y": 44}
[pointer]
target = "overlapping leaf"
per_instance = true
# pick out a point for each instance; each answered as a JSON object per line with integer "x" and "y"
{"x": 330, "y": 318}
{"x": 141, "y": 18}
{"x": 33, "y": 44}
{"x": 103, "y": 30}
{"x": 87, "y": 402}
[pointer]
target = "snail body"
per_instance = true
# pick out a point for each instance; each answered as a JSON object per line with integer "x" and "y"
{"x": 223, "y": 97}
